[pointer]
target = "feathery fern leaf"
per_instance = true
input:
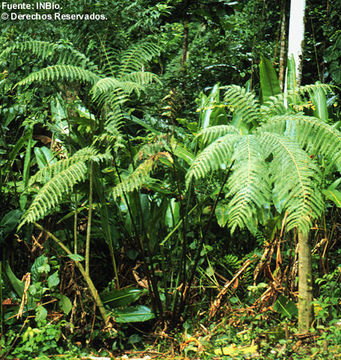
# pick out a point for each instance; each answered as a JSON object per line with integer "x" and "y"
{"x": 53, "y": 191}
{"x": 60, "y": 73}
{"x": 60, "y": 53}
{"x": 243, "y": 103}
{"x": 48, "y": 172}
{"x": 248, "y": 184}
{"x": 212, "y": 157}
{"x": 140, "y": 176}
{"x": 296, "y": 181}
{"x": 210, "y": 134}
{"x": 313, "y": 134}
{"x": 136, "y": 57}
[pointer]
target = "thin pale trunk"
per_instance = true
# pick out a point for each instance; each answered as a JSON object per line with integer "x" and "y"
{"x": 296, "y": 35}
{"x": 305, "y": 284}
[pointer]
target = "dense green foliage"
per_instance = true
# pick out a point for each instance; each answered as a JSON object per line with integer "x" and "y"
{"x": 155, "y": 180}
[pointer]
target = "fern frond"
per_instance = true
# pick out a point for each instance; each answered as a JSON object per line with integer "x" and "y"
{"x": 244, "y": 103}
{"x": 48, "y": 172}
{"x": 212, "y": 133}
{"x": 140, "y": 176}
{"x": 312, "y": 133}
{"x": 212, "y": 157}
{"x": 296, "y": 181}
{"x": 273, "y": 106}
{"x": 53, "y": 191}
{"x": 136, "y": 57}
{"x": 60, "y": 73}
{"x": 141, "y": 78}
{"x": 248, "y": 184}
{"x": 60, "y": 53}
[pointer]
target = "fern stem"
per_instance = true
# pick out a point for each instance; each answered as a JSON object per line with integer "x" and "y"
{"x": 88, "y": 232}
{"x": 201, "y": 244}
{"x": 138, "y": 239}
{"x": 80, "y": 267}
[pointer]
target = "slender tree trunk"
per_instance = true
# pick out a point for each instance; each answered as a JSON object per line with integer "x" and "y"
{"x": 296, "y": 35}
{"x": 305, "y": 284}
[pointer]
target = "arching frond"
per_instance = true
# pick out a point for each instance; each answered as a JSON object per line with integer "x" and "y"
{"x": 136, "y": 57}
{"x": 59, "y": 180}
{"x": 48, "y": 172}
{"x": 59, "y": 53}
{"x": 140, "y": 176}
{"x": 248, "y": 184}
{"x": 244, "y": 103}
{"x": 212, "y": 133}
{"x": 53, "y": 191}
{"x": 296, "y": 181}
{"x": 60, "y": 73}
{"x": 311, "y": 133}
{"x": 273, "y": 106}
{"x": 212, "y": 157}
{"x": 141, "y": 78}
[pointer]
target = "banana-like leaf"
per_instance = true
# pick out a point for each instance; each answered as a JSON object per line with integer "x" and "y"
{"x": 268, "y": 79}
{"x": 121, "y": 297}
{"x": 319, "y": 100}
{"x": 132, "y": 314}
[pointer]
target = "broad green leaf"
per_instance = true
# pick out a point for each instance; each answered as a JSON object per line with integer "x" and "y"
{"x": 131, "y": 314}
{"x": 57, "y": 110}
{"x": 41, "y": 314}
{"x": 75, "y": 257}
{"x": 44, "y": 157}
{"x": 121, "y": 297}
{"x": 39, "y": 266}
{"x": 285, "y": 307}
{"x": 17, "y": 285}
{"x": 333, "y": 195}
{"x": 268, "y": 79}
{"x": 53, "y": 280}
{"x": 319, "y": 100}
{"x": 65, "y": 304}
{"x": 221, "y": 213}
{"x": 291, "y": 74}
{"x": 8, "y": 223}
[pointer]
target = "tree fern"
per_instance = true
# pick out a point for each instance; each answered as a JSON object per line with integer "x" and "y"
{"x": 281, "y": 154}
